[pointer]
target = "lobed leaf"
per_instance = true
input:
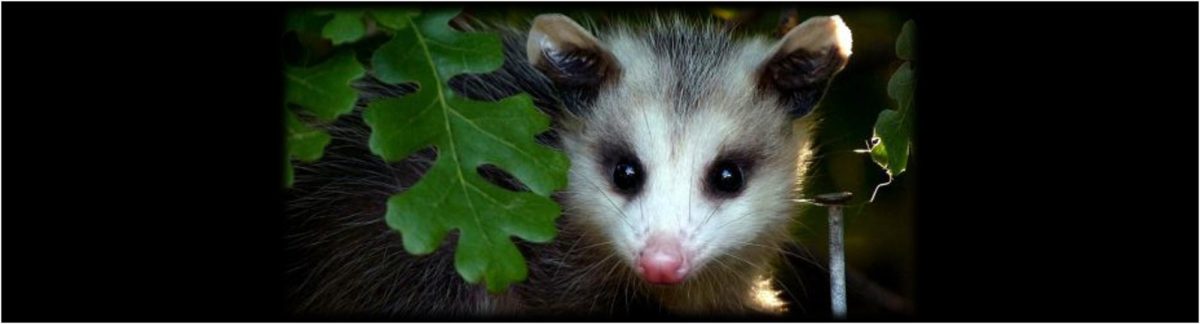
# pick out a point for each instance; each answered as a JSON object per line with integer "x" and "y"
{"x": 891, "y": 150}
{"x": 325, "y": 91}
{"x": 900, "y": 86}
{"x": 305, "y": 143}
{"x": 346, "y": 26}
{"x": 325, "y": 88}
{"x": 893, "y": 128}
{"x": 394, "y": 18}
{"x": 904, "y": 43}
{"x": 305, "y": 21}
{"x": 467, "y": 134}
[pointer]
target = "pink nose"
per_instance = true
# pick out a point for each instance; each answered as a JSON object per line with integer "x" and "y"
{"x": 662, "y": 261}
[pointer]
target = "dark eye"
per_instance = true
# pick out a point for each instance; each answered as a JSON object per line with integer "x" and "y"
{"x": 725, "y": 179}
{"x": 628, "y": 176}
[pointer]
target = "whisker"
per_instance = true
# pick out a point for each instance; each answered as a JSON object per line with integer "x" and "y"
{"x": 610, "y": 202}
{"x": 756, "y": 266}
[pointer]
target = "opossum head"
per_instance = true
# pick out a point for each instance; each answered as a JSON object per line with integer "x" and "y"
{"x": 681, "y": 136}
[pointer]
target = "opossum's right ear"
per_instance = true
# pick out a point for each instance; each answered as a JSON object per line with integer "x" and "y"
{"x": 802, "y": 64}
{"x": 569, "y": 54}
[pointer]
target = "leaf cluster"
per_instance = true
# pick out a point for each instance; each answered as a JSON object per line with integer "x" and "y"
{"x": 424, "y": 50}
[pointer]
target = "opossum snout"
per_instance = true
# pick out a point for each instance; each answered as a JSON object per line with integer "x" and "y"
{"x": 663, "y": 261}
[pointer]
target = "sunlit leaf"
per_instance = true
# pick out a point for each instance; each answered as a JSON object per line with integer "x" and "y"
{"x": 891, "y": 151}
{"x": 891, "y": 143}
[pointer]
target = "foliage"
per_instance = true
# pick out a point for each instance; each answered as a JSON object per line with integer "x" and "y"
{"x": 304, "y": 143}
{"x": 467, "y": 134}
{"x": 891, "y": 142}
{"x": 346, "y": 26}
{"x": 324, "y": 90}
{"x": 405, "y": 45}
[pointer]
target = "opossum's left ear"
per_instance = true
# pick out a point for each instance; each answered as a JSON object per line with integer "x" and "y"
{"x": 801, "y": 64}
{"x": 569, "y": 54}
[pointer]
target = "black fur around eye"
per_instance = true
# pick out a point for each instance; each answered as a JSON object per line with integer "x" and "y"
{"x": 725, "y": 179}
{"x": 628, "y": 176}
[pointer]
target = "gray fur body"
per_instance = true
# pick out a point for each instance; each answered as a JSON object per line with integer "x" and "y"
{"x": 686, "y": 94}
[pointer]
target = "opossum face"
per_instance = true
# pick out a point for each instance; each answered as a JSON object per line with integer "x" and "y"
{"x": 681, "y": 140}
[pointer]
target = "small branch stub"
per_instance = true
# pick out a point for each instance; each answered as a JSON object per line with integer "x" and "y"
{"x": 837, "y": 256}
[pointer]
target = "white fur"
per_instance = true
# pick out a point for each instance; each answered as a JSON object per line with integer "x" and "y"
{"x": 729, "y": 242}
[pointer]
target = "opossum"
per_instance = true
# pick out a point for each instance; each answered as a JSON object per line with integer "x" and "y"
{"x": 687, "y": 147}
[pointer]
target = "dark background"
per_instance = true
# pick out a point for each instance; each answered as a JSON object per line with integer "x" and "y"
{"x": 1051, "y": 177}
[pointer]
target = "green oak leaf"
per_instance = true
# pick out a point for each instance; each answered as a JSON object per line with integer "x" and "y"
{"x": 346, "y": 26}
{"x": 325, "y": 88}
{"x": 904, "y": 43}
{"x": 432, "y": 52}
{"x": 900, "y": 86}
{"x": 304, "y": 143}
{"x": 891, "y": 150}
{"x": 305, "y": 21}
{"x": 467, "y": 134}
{"x": 893, "y": 128}
{"x": 394, "y": 18}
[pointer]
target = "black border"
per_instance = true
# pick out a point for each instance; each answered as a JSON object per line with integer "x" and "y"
{"x": 1055, "y": 147}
